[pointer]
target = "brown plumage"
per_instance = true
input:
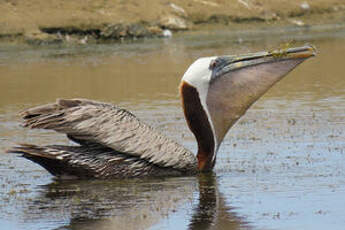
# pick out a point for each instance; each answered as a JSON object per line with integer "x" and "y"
{"x": 113, "y": 143}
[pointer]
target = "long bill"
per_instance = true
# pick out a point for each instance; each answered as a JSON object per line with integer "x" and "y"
{"x": 235, "y": 83}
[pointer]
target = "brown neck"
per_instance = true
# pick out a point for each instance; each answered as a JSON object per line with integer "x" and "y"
{"x": 199, "y": 124}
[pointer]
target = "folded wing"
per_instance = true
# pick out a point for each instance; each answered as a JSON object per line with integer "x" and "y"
{"x": 90, "y": 122}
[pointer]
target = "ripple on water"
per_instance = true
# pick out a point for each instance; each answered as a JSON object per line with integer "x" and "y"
{"x": 281, "y": 166}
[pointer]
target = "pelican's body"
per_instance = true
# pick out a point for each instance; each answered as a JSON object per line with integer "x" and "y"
{"x": 113, "y": 143}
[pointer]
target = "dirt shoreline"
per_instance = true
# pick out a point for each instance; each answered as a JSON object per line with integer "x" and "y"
{"x": 38, "y": 22}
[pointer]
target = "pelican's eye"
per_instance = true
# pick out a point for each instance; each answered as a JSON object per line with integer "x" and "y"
{"x": 218, "y": 63}
{"x": 213, "y": 64}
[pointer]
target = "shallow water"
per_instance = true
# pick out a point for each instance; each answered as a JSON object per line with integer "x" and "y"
{"x": 282, "y": 166}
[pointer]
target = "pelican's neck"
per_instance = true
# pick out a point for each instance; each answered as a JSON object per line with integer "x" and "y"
{"x": 199, "y": 123}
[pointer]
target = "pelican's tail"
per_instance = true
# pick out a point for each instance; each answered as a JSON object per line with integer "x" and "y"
{"x": 61, "y": 161}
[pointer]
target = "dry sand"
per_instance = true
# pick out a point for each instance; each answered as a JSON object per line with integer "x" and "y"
{"x": 54, "y": 21}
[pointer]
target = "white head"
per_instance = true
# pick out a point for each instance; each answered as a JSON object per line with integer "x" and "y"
{"x": 216, "y": 92}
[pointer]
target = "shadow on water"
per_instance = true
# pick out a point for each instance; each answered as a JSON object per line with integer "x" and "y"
{"x": 134, "y": 204}
{"x": 115, "y": 204}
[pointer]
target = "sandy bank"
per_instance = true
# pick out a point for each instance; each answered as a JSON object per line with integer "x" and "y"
{"x": 85, "y": 21}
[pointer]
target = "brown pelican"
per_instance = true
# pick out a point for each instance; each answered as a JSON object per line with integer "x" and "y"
{"x": 113, "y": 143}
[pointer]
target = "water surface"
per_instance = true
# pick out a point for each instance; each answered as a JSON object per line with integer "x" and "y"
{"x": 282, "y": 166}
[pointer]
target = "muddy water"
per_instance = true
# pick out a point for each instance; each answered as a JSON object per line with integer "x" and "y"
{"x": 282, "y": 166}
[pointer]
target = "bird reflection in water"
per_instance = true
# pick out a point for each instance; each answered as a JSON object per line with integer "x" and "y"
{"x": 212, "y": 211}
{"x": 134, "y": 204}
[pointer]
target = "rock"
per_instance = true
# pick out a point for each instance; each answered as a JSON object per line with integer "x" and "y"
{"x": 137, "y": 31}
{"x": 179, "y": 10}
{"x": 297, "y": 22}
{"x": 115, "y": 31}
{"x": 173, "y": 23}
{"x": 68, "y": 38}
{"x": 84, "y": 40}
{"x": 305, "y": 6}
{"x": 167, "y": 33}
{"x": 155, "y": 30}
{"x": 39, "y": 38}
{"x": 244, "y": 3}
{"x": 118, "y": 31}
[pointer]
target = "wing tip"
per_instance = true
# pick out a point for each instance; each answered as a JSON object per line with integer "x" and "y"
{"x": 29, "y": 151}
{"x": 60, "y": 104}
{"x": 68, "y": 103}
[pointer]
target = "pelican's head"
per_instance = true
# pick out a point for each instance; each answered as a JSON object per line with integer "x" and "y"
{"x": 217, "y": 91}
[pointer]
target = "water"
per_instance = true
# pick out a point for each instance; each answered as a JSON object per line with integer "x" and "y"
{"x": 282, "y": 166}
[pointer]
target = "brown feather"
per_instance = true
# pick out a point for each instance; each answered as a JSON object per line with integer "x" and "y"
{"x": 104, "y": 126}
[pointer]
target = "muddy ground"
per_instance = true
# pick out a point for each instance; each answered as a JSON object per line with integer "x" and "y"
{"x": 95, "y": 21}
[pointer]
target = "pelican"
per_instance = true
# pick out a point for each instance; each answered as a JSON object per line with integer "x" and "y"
{"x": 114, "y": 143}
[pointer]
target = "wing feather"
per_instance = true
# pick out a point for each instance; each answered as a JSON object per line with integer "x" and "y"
{"x": 71, "y": 162}
{"x": 86, "y": 121}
